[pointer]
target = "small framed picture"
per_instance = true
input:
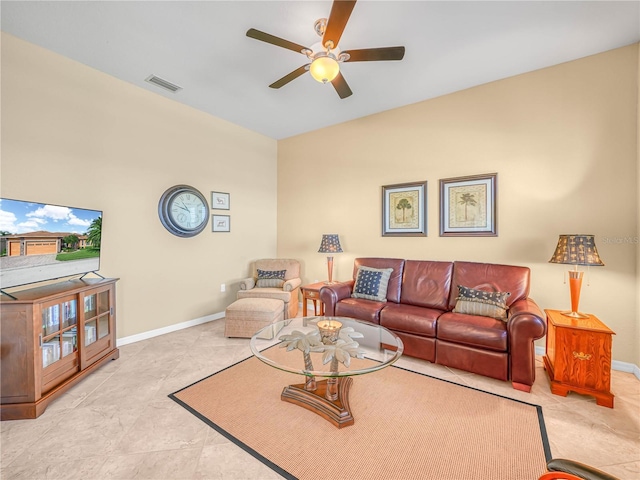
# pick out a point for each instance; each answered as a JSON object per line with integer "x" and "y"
{"x": 220, "y": 201}
{"x": 468, "y": 206}
{"x": 220, "y": 223}
{"x": 404, "y": 210}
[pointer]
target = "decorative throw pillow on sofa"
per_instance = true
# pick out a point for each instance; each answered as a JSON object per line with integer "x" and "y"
{"x": 270, "y": 278}
{"x": 479, "y": 302}
{"x": 371, "y": 283}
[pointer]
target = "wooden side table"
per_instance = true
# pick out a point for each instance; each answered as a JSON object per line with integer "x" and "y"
{"x": 578, "y": 356}
{"x": 312, "y": 292}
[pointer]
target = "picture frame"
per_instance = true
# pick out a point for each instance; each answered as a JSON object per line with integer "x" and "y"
{"x": 220, "y": 223}
{"x": 404, "y": 210}
{"x": 468, "y": 206}
{"x": 220, "y": 201}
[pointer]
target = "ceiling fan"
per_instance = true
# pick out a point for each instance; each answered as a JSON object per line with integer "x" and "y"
{"x": 325, "y": 55}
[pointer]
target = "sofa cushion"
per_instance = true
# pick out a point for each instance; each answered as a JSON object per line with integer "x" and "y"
{"x": 490, "y": 277}
{"x": 367, "y": 310}
{"x": 473, "y": 330}
{"x": 426, "y": 283}
{"x": 393, "y": 290}
{"x": 410, "y": 319}
{"x": 270, "y": 278}
{"x": 481, "y": 302}
{"x": 371, "y": 283}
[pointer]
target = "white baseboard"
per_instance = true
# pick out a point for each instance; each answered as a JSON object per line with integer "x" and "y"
{"x": 615, "y": 364}
{"x": 171, "y": 328}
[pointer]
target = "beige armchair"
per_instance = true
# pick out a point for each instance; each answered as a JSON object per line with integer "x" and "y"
{"x": 288, "y": 292}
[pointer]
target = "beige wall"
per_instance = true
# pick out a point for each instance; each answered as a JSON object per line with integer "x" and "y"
{"x": 74, "y": 136}
{"x": 564, "y": 143}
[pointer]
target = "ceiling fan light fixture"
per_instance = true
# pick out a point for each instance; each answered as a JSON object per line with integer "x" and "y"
{"x": 324, "y": 69}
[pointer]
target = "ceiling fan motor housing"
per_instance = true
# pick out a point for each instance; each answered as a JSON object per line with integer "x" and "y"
{"x": 320, "y": 26}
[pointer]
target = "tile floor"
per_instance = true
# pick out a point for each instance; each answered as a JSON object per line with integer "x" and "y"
{"x": 119, "y": 424}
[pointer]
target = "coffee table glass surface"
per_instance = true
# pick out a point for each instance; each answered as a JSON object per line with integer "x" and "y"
{"x": 333, "y": 348}
{"x": 376, "y": 343}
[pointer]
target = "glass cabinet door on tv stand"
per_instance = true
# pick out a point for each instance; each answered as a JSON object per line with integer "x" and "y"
{"x": 97, "y": 323}
{"x": 59, "y": 340}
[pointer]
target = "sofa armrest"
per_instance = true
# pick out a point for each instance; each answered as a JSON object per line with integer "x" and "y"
{"x": 247, "y": 283}
{"x": 526, "y": 305}
{"x": 525, "y": 325}
{"x": 291, "y": 284}
{"x": 330, "y": 295}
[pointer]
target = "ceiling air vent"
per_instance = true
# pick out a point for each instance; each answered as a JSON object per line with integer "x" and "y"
{"x": 162, "y": 83}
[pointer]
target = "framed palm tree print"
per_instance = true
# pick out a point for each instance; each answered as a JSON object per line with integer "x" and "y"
{"x": 468, "y": 206}
{"x": 404, "y": 210}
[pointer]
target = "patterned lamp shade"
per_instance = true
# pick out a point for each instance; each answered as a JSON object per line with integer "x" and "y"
{"x": 577, "y": 250}
{"x": 330, "y": 244}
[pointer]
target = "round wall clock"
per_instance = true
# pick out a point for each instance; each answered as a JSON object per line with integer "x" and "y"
{"x": 183, "y": 210}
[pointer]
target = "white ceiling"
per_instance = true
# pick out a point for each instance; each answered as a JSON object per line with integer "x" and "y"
{"x": 201, "y": 46}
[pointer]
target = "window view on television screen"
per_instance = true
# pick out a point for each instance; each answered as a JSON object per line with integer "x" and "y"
{"x": 41, "y": 242}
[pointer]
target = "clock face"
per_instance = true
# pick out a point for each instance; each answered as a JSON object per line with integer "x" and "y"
{"x": 183, "y": 211}
{"x": 187, "y": 210}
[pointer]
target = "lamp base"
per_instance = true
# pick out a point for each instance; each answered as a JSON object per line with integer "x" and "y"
{"x": 574, "y": 314}
{"x": 327, "y": 282}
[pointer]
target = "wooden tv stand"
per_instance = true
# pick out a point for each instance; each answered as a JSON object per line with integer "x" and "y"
{"x": 51, "y": 337}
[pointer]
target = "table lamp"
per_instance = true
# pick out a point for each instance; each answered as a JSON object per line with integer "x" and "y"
{"x": 330, "y": 244}
{"x": 576, "y": 250}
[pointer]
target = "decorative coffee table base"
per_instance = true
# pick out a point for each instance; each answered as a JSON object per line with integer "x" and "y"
{"x": 337, "y": 411}
{"x": 328, "y": 343}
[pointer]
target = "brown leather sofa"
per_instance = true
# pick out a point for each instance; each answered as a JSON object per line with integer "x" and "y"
{"x": 421, "y": 296}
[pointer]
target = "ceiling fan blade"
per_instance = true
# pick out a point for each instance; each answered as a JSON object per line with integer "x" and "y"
{"x": 375, "y": 54}
{"x": 273, "y": 40}
{"x": 291, "y": 76}
{"x": 341, "y": 86}
{"x": 338, "y": 18}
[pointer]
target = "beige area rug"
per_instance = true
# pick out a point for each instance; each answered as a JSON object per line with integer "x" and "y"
{"x": 407, "y": 426}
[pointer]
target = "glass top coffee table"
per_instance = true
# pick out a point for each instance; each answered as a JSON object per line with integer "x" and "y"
{"x": 332, "y": 348}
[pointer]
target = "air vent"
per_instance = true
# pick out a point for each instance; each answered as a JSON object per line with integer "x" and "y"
{"x": 162, "y": 83}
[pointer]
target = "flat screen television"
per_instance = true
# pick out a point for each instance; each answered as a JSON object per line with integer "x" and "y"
{"x": 40, "y": 242}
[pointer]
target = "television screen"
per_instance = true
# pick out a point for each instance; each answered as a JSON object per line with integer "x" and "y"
{"x": 41, "y": 242}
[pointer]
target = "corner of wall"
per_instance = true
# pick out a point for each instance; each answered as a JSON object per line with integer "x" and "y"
{"x": 638, "y": 208}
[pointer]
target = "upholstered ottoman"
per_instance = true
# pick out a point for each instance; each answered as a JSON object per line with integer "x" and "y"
{"x": 246, "y": 316}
